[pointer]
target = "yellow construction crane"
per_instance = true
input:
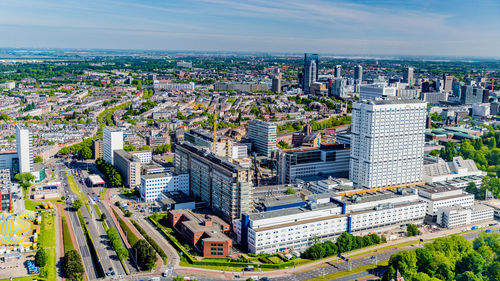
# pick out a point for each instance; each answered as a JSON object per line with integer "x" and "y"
{"x": 368, "y": 190}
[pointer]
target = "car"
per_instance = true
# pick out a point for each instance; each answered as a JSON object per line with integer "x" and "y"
{"x": 110, "y": 268}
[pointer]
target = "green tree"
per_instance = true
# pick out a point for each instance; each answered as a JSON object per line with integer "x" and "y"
{"x": 41, "y": 257}
{"x": 290, "y": 191}
{"x": 103, "y": 216}
{"x": 24, "y": 179}
{"x": 145, "y": 147}
{"x": 77, "y": 204}
{"x": 129, "y": 147}
{"x": 38, "y": 159}
{"x": 412, "y": 230}
{"x": 163, "y": 148}
{"x": 146, "y": 255}
{"x": 471, "y": 262}
{"x": 86, "y": 153}
{"x": 283, "y": 145}
{"x": 344, "y": 242}
{"x": 73, "y": 267}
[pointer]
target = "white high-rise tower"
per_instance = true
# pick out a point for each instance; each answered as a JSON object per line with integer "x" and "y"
{"x": 24, "y": 148}
{"x": 387, "y": 142}
{"x": 112, "y": 140}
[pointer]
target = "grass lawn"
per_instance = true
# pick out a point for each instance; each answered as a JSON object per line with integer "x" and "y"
{"x": 74, "y": 188}
{"x": 31, "y": 205}
{"x": 48, "y": 232}
{"x": 131, "y": 237}
{"x": 339, "y": 274}
{"x": 68, "y": 243}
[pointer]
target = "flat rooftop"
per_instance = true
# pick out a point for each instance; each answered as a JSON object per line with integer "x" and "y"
{"x": 156, "y": 176}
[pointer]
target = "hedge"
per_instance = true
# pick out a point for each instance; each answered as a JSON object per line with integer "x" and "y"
{"x": 150, "y": 241}
{"x": 131, "y": 237}
{"x": 67, "y": 242}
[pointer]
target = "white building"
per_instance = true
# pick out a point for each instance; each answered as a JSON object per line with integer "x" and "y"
{"x": 145, "y": 157}
{"x": 8, "y": 85}
{"x": 112, "y": 140}
{"x": 24, "y": 147}
{"x": 153, "y": 185}
{"x": 455, "y": 216}
{"x": 456, "y": 169}
{"x": 371, "y": 92}
{"x": 481, "y": 110}
{"x": 325, "y": 217}
{"x": 263, "y": 136}
{"x": 328, "y": 185}
{"x": 439, "y": 196}
{"x": 239, "y": 151}
{"x": 387, "y": 142}
{"x": 169, "y": 86}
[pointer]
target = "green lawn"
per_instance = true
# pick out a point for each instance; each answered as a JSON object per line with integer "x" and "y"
{"x": 339, "y": 274}
{"x": 68, "y": 243}
{"x": 74, "y": 188}
{"x": 48, "y": 232}
{"x": 31, "y": 205}
{"x": 131, "y": 237}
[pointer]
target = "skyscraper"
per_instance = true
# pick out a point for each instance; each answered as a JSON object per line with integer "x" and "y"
{"x": 24, "y": 146}
{"x": 338, "y": 71}
{"x": 448, "y": 83}
{"x": 310, "y": 72}
{"x": 408, "y": 76}
{"x": 263, "y": 136}
{"x": 112, "y": 140}
{"x": 387, "y": 142}
{"x": 276, "y": 84}
{"x": 358, "y": 74}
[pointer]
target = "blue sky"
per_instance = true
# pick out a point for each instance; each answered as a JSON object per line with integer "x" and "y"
{"x": 393, "y": 27}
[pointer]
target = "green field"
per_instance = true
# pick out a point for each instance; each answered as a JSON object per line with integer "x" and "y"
{"x": 131, "y": 237}
{"x": 74, "y": 188}
{"x": 31, "y": 205}
{"x": 68, "y": 243}
{"x": 48, "y": 242}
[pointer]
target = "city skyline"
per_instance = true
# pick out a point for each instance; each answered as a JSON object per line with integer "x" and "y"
{"x": 338, "y": 27}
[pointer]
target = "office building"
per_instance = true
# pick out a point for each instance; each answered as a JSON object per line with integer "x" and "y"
{"x": 338, "y": 71}
{"x": 223, "y": 185}
{"x": 340, "y": 88}
{"x": 408, "y": 76}
{"x": 204, "y": 138}
{"x": 326, "y": 160}
{"x": 358, "y": 74}
{"x": 10, "y": 161}
{"x": 481, "y": 110}
{"x": 276, "y": 84}
{"x": 310, "y": 72}
{"x": 97, "y": 147}
{"x": 448, "y": 83}
{"x": 187, "y": 64}
{"x": 169, "y": 86}
{"x": 439, "y": 196}
{"x": 446, "y": 171}
{"x": 262, "y": 134}
{"x": 471, "y": 95}
{"x": 6, "y": 200}
{"x": 24, "y": 146}
{"x": 239, "y": 151}
{"x": 129, "y": 167}
{"x": 153, "y": 185}
{"x": 371, "y": 92}
{"x": 434, "y": 98}
{"x": 320, "y": 217}
{"x": 455, "y": 216}
{"x": 112, "y": 140}
{"x": 387, "y": 142}
{"x": 205, "y": 233}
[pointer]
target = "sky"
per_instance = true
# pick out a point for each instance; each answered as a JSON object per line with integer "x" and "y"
{"x": 353, "y": 27}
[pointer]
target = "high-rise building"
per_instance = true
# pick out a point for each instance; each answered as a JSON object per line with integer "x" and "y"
{"x": 223, "y": 185}
{"x": 448, "y": 83}
{"x": 263, "y": 136}
{"x": 471, "y": 94}
{"x": 338, "y": 71}
{"x": 358, "y": 74}
{"x": 387, "y": 142}
{"x": 24, "y": 147}
{"x": 129, "y": 167}
{"x": 408, "y": 76}
{"x": 276, "y": 84}
{"x": 112, "y": 140}
{"x": 310, "y": 72}
{"x": 376, "y": 91}
{"x": 97, "y": 146}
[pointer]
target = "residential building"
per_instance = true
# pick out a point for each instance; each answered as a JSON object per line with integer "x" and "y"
{"x": 310, "y": 71}
{"x": 455, "y": 216}
{"x": 24, "y": 146}
{"x": 223, "y": 185}
{"x": 97, "y": 147}
{"x": 6, "y": 200}
{"x": 152, "y": 185}
{"x": 187, "y": 64}
{"x": 326, "y": 160}
{"x": 371, "y": 92}
{"x": 276, "y": 84}
{"x": 129, "y": 167}
{"x": 387, "y": 142}
{"x": 169, "y": 86}
{"x": 358, "y": 74}
{"x": 205, "y": 139}
{"x": 262, "y": 134}
{"x": 156, "y": 140}
{"x": 338, "y": 71}
{"x": 205, "y": 233}
{"x": 112, "y": 140}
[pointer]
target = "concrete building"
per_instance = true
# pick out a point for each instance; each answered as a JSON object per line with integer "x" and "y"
{"x": 223, "y": 185}
{"x": 310, "y": 71}
{"x": 358, "y": 74}
{"x": 439, "y": 196}
{"x": 338, "y": 71}
{"x": 455, "y": 216}
{"x": 239, "y": 151}
{"x": 387, "y": 142}
{"x": 471, "y": 95}
{"x": 325, "y": 217}
{"x": 205, "y": 139}
{"x": 205, "y": 233}
{"x": 169, "y": 86}
{"x": 263, "y": 136}
{"x": 24, "y": 146}
{"x": 112, "y": 140}
{"x": 371, "y": 92}
{"x": 97, "y": 147}
{"x": 448, "y": 83}
{"x": 129, "y": 167}
{"x": 276, "y": 84}
{"x": 481, "y": 110}
{"x": 434, "y": 98}
{"x": 153, "y": 185}
{"x": 408, "y": 76}
{"x": 326, "y": 160}
{"x": 10, "y": 161}
{"x": 456, "y": 169}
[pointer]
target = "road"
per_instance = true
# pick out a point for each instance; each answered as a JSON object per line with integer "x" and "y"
{"x": 105, "y": 251}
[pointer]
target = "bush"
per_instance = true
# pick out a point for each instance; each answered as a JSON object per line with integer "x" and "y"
{"x": 131, "y": 237}
{"x": 150, "y": 241}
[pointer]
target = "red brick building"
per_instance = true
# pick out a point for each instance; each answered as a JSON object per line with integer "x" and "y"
{"x": 205, "y": 233}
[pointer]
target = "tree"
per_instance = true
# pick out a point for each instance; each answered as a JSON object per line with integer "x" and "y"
{"x": 24, "y": 179}
{"x": 146, "y": 255}
{"x": 73, "y": 267}
{"x": 77, "y": 204}
{"x": 103, "y": 216}
{"x": 86, "y": 153}
{"x": 290, "y": 191}
{"x": 129, "y": 147}
{"x": 145, "y": 147}
{"x": 283, "y": 145}
{"x": 344, "y": 242}
{"x": 38, "y": 159}
{"x": 163, "y": 148}
{"x": 412, "y": 230}
{"x": 180, "y": 278}
{"x": 468, "y": 276}
{"x": 122, "y": 253}
{"x": 41, "y": 257}
{"x": 471, "y": 262}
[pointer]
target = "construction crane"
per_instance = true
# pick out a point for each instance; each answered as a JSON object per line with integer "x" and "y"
{"x": 368, "y": 190}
